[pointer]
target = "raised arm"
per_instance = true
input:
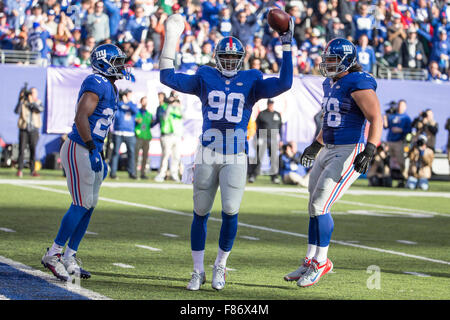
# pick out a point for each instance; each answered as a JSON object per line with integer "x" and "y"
{"x": 272, "y": 87}
{"x": 177, "y": 81}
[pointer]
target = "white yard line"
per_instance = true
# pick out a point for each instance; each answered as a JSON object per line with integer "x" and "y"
{"x": 262, "y": 228}
{"x": 296, "y": 190}
{"x": 148, "y": 248}
{"x": 7, "y": 230}
{"x": 123, "y": 265}
{"x": 52, "y": 280}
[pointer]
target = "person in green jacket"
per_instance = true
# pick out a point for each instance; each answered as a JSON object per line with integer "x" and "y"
{"x": 170, "y": 118}
{"x": 144, "y": 122}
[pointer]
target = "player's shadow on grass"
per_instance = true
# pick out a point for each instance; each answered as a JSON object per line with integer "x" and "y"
{"x": 183, "y": 279}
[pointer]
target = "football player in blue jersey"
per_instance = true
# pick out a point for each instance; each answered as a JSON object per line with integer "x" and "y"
{"x": 227, "y": 95}
{"x": 349, "y": 102}
{"x": 81, "y": 157}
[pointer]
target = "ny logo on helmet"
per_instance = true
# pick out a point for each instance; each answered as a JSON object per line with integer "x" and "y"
{"x": 347, "y": 48}
{"x": 233, "y": 48}
{"x": 100, "y": 54}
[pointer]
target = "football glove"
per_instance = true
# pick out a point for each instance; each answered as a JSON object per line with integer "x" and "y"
{"x": 310, "y": 153}
{"x": 94, "y": 156}
{"x": 286, "y": 38}
{"x": 364, "y": 158}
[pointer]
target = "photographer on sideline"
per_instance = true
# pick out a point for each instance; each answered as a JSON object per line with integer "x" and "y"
{"x": 29, "y": 109}
{"x": 426, "y": 125}
{"x": 379, "y": 174}
{"x": 420, "y": 161}
{"x": 399, "y": 125}
{"x": 289, "y": 167}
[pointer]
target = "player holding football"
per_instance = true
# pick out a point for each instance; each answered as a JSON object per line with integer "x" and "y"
{"x": 81, "y": 157}
{"x": 227, "y": 95}
{"x": 349, "y": 100}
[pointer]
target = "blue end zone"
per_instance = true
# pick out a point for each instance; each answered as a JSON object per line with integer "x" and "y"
{"x": 18, "y": 285}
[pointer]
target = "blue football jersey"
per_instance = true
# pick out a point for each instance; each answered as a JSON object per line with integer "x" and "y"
{"x": 343, "y": 121}
{"x": 227, "y": 102}
{"x": 103, "y": 115}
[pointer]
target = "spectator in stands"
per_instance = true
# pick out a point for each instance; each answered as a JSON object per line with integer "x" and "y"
{"x": 83, "y": 59}
{"x": 113, "y": 12}
{"x": 35, "y": 16}
{"x": 396, "y": 32}
{"x": 144, "y": 122}
{"x": 441, "y": 51}
{"x": 61, "y": 45}
{"x": 225, "y": 24}
{"x": 412, "y": 53}
{"x": 290, "y": 169}
{"x": 97, "y": 23}
{"x": 29, "y": 109}
{"x": 142, "y": 56}
{"x": 170, "y": 118}
{"x": 38, "y": 41}
{"x": 420, "y": 161}
{"x": 425, "y": 125}
{"x": 364, "y": 22}
{"x": 268, "y": 124}
{"x": 207, "y": 54}
{"x": 210, "y": 11}
{"x": 4, "y": 26}
{"x": 365, "y": 54}
{"x": 156, "y": 29}
{"x": 244, "y": 23}
{"x": 16, "y": 12}
{"x": 434, "y": 75}
{"x": 379, "y": 174}
{"x": 336, "y": 29}
{"x": 398, "y": 123}
{"x": 137, "y": 26}
{"x": 124, "y": 124}
{"x": 390, "y": 57}
{"x": 90, "y": 43}
{"x": 125, "y": 15}
{"x": 50, "y": 25}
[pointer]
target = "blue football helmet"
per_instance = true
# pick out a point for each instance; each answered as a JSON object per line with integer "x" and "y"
{"x": 229, "y": 54}
{"x": 109, "y": 60}
{"x": 339, "y": 55}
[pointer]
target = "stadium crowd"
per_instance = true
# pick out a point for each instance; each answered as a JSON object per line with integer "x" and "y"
{"x": 411, "y": 34}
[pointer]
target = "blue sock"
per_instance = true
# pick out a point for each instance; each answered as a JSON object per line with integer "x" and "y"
{"x": 198, "y": 232}
{"x": 312, "y": 231}
{"x": 228, "y": 231}
{"x": 79, "y": 232}
{"x": 324, "y": 227}
{"x": 69, "y": 223}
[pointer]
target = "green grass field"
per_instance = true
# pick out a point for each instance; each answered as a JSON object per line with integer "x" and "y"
{"x": 270, "y": 241}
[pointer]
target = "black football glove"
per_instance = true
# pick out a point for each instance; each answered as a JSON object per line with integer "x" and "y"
{"x": 286, "y": 38}
{"x": 364, "y": 158}
{"x": 310, "y": 153}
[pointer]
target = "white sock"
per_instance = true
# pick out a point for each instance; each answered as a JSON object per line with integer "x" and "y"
{"x": 321, "y": 254}
{"x": 69, "y": 252}
{"x": 55, "y": 249}
{"x": 311, "y": 251}
{"x": 222, "y": 257}
{"x": 198, "y": 256}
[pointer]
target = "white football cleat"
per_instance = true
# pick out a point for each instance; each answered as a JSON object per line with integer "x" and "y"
{"x": 198, "y": 278}
{"x": 56, "y": 266}
{"x": 218, "y": 277}
{"x": 314, "y": 273}
{"x": 73, "y": 267}
{"x": 295, "y": 275}
{"x": 159, "y": 178}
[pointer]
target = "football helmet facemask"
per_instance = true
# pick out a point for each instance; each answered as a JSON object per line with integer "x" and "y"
{"x": 108, "y": 60}
{"x": 229, "y": 54}
{"x": 338, "y": 56}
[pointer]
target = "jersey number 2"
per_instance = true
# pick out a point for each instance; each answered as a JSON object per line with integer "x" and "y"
{"x": 101, "y": 123}
{"x": 224, "y": 105}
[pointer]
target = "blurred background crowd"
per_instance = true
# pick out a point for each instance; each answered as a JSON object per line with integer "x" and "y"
{"x": 391, "y": 36}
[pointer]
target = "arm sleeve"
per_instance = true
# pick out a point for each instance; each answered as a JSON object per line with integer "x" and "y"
{"x": 180, "y": 82}
{"x": 272, "y": 87}
{"x": 364, "y": 82}
{"x": 94, "y": 84}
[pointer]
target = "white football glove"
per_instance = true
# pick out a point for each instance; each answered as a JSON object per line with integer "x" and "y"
{"x": 174, "y": 29}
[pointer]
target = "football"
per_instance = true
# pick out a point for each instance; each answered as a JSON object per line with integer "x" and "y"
{"x": 278, "y": 20}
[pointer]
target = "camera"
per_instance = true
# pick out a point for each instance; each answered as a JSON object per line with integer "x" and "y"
{"x": 421, "y": 140}
{"x": 392, "y": 107}
{"x": 24, "y": 92}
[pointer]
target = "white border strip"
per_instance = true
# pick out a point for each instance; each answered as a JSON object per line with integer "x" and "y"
{"x": 52, "y": 280}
